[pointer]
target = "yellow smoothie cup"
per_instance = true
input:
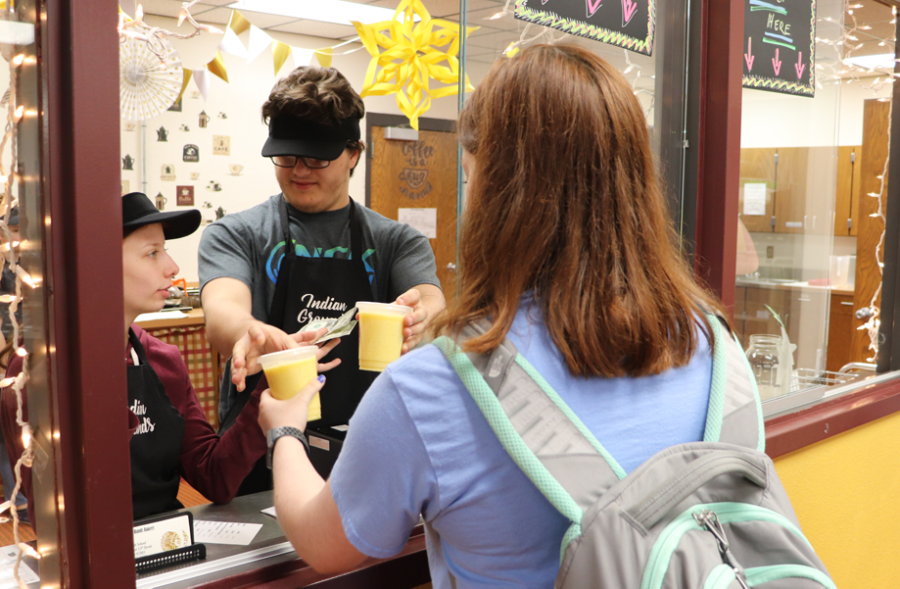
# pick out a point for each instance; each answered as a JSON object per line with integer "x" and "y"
{"x": 289, "y": 371}
{"x": 380, "y": 334}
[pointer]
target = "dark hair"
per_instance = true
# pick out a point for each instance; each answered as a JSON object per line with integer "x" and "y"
{"x": 321, "y": 94}
{"x": 565, "y": 202}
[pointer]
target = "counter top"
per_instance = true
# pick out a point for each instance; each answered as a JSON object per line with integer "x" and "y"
{"x": 792, "y": 285}
{"x": 194, "y": 317}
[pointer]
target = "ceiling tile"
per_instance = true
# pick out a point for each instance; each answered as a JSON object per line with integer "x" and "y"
{"x": 317, "y": 29}
{"x": 218, "y": 16}
{"x": 440, "y": 8}
{"x": 265, "y": 21}
{"x": 164, "y": 7}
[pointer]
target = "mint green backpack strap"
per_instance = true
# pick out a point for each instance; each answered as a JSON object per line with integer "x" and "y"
{"x": 538, "y": 430}
{"x": 735, "y": 414}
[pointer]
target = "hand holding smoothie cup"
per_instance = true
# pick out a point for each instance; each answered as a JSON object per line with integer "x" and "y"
{"x": 289, "y": 371}
{"x": 380, "y": 334}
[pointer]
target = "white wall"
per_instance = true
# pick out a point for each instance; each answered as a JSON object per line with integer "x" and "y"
{"x": 833, "y": 117}
{"x": 240, "y": 100}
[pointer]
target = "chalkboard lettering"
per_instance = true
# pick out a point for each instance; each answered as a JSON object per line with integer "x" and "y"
{"x": 780, "y": 39}
{"x": 623, "y": 23}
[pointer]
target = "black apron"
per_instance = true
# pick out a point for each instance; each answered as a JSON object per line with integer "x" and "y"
{"x": 309, "y": 288}
{"x": 156, "y": 445}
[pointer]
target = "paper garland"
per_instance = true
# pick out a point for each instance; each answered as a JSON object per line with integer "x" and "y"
{"x": 411, "y": 58}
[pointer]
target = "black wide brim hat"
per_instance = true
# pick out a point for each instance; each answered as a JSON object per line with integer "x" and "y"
{"x": 290, "y": 135}
{"x": 138, "y": 210}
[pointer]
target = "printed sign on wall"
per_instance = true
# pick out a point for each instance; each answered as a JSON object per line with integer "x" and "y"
{"x": 780, "y": 45}
{"x": 624, "y": 23}
{"x": 221, "y": 145}
{"x": 185, "y": 196}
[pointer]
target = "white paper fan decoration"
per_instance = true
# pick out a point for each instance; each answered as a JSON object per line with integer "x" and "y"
{"x": 147, "y": 85}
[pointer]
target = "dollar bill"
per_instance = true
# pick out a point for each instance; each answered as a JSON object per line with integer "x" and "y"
{"x": 337, "y": 327}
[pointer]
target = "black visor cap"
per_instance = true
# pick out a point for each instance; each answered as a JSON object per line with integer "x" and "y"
{"x": 290, "y": 135}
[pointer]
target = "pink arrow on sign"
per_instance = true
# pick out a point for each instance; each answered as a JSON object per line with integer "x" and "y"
{"x": 592, "y": 7}
{"x": 799, "y": 66}
{"x": 776, "y": 63}
{"x": 748, "y": 57}
{"x": 628, "y": 10}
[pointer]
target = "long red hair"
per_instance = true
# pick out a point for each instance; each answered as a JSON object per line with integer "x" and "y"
{"x": 565, "y": 202}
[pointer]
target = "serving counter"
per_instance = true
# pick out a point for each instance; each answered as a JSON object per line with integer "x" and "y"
{"x": 269, "y": 561}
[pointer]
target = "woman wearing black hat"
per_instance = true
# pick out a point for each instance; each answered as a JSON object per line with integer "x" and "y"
{"x": 169, "y": 435}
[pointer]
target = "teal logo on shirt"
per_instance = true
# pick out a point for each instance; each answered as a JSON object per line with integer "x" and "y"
{"x": 273, "y": 263}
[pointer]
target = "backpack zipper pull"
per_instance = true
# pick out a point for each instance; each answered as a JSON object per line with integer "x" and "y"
{"x": 708, "y": 519}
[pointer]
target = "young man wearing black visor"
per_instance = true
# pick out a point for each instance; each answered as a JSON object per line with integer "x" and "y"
{"x": 256, "y": 292}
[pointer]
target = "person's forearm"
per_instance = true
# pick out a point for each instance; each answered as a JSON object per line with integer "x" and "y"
{"x": 226, "y": 323}
{"x": 296, "y": 484}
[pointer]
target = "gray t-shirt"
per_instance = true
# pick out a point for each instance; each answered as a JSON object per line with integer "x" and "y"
{"x": 248, "y": 245}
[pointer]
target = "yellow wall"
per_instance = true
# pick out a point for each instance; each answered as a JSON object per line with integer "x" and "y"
{"x": 846, "y": 492}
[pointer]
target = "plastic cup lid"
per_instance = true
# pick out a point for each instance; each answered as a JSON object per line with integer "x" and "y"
{"x": 385, "y": 308}
{"x": 287, "y": 356}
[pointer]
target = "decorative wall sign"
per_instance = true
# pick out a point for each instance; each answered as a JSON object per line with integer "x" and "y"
{"x": 185, "y": 196}
{"x": 126, "y": 187}
{"x": 220, "y": 212}
{"x": 223, "y": 115}
{"x": 127, "y": 162}
{"x": 176, "y": 107}
{"x": 221, "y": 145}
{"x": 184, "y": 128}
{"x": 780, "y": 45}
{"x": 161, "y": 201}
{"x": 204, "y": 119}
{"x": 624, "y": 23}
{"x": 162, "y": 134}
{"x": 195, "y": 175}
{"x": 130, "y": 126}
{"x": 195, "y": 94}
{"x": 168, "y": 173}
{"x": 235, "y": 169}
{"x": 214, "y": 186}
{"x": 191, "y": 153}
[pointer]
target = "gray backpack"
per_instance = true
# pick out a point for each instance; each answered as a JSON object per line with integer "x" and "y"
{"x": 704, "y": 515}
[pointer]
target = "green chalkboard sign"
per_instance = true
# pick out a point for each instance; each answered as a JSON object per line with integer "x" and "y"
{"x": 623, "y": 23}
{"x": 780, "y": 46}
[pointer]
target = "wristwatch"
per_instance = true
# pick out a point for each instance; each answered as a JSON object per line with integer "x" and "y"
{"x": 272, "y": 436}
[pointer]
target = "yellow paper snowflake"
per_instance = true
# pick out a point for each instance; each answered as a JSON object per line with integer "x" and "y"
{"x": 411, "y": 58}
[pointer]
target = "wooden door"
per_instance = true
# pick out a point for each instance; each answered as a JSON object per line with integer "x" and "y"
{"x": 876, "y": 121}
{"x": 790, "y": 190}
{"x": 757, "y": 167}
{"x": 840, "y": 332}
{"x": 419, "y": 175}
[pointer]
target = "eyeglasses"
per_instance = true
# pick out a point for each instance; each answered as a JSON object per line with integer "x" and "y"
{"x": 289, "y": 161}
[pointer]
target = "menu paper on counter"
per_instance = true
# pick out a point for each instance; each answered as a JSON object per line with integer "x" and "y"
{"x": 422, "y": 220}
{"x": 162, "y": 534}
{"x": 236, "y": 533}
{"x": 7, "y": 566}
{"x": 755, "y": 198}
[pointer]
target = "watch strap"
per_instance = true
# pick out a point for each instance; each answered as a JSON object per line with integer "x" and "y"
{"x": 273, "y": 436}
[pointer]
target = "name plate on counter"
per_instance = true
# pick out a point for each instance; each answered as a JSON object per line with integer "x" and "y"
{"x": 163, "y": 534}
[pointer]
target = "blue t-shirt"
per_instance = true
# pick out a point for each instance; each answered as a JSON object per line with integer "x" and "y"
{"x": 419, "y": 444}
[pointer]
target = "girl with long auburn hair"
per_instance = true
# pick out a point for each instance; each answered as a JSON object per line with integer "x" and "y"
{"x": 568, "y": 252}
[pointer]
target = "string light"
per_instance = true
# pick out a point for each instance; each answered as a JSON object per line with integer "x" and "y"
{"x": 136, "y": 28}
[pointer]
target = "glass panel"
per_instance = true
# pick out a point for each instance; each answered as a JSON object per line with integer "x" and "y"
{"x": 658, "y": 80}
{"x": 806, "y": 235}
{"x": 23, "y": 308}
